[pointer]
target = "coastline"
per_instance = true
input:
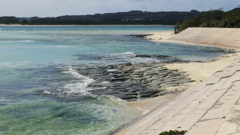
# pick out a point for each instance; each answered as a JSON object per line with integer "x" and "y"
{"x": 150, "y": 103}
{"x": 206, "y": 69}
{"x": 17, "y": 25}
{"x": 196, "y": 71}
{"x": 164, "y": 37}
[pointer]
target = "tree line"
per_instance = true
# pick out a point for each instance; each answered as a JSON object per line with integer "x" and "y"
{"x": 124, "y": 18}
{"x": 212, "y": 18}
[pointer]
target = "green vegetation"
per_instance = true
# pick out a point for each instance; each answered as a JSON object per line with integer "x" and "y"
{"x": 212, "y": 18}
{"x": 183, "y": 20}
{"x": 173, "y": 132}
{"x": 121, "y": 18}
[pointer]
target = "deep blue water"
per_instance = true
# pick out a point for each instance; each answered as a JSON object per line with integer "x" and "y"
{"x": 40, "y": 91}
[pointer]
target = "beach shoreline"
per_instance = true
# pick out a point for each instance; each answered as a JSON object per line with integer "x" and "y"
{"x": 164, "y": 37}
{"x": 195, "y": 70}
{"x": 198, "y": 71}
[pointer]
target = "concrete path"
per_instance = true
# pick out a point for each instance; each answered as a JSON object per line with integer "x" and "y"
{"x": 225, "y": 37}
{"x": 211, "y": 108}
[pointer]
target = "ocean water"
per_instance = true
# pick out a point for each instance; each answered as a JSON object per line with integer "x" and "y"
{"x": 42, "y": 94}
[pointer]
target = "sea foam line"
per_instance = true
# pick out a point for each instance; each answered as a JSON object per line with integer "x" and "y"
{"x": 80, "y": 87}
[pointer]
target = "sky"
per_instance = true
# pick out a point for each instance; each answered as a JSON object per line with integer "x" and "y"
{"x": 54, "y": 8}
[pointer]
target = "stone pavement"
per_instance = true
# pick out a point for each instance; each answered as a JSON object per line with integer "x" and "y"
{"x": 226, "y": 37}
{"x": 210, "y": 108}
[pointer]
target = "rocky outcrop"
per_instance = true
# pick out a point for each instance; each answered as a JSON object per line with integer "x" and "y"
{"x": 133, "y": 82}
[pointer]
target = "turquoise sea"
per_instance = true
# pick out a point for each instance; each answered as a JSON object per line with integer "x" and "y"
{"x": 42, "y": 94}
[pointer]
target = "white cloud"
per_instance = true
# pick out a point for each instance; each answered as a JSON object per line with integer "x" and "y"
{"x": 45, "y": 8}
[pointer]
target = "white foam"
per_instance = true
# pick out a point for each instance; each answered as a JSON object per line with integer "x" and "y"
{"x": 45, "y": 92}
{"x": 13, "y": 64}
{"x": 131, "y": 57}
{"x": 16, "y": 40}
{"x": 80, "y": 87}
{"x": 59, "y": 46}
{"x": 129, "y": 53}
{"x": 125, "y": 55}
{"x": 142, "y": 60}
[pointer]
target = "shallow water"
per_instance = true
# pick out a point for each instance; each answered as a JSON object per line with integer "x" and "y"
{"x": 40, "y": 91}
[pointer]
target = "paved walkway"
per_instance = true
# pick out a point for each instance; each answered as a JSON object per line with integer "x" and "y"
{"x": 211, "y": 108}
{"x": 225, "y": 37}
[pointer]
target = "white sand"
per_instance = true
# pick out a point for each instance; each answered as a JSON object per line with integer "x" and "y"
{"x": 202, "y": 71}
{"x": 162, "y": 36}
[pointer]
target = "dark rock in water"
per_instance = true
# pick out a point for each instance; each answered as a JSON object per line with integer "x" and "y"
{"x": 115, "y": 75}
{"x": 98, "y": 71}
{"x": 162, "y": 56}
{"x": 138, "y": 86}
{"x": 122, "y": 96}
{"x": 226, "y": 51}
{"x": 132, "y": 82}
{"x": 122, "y": 90}
{"x": 155, "y": 95}
{"x": 147, "y": 92}
{"x": 130, "y": 93}
{"x": 144, "y": 55}
{"x": 147, "y": 95}
{"x": 127, "y": 64}
{"x": 118, "y": 79}
{"x": 148, "y": 56}
{"x": 140, "y": 36}
{"x": 132, "y": 89}
{"x": 98, "y": 92}
{"x": 160, "y": 93}
{"x": 110, "y": 93}
{"x": 230, "y": 51}
{"x": 120, "y": 66}
{"x": 110, "y": 66}
{"x": 103, "y": 92}
{"x": 97, "y": 84}
{"x": 127, "y": 84}
{"x": 117, "y": 87}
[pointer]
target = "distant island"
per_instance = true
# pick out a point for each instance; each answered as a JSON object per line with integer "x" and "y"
{"x": 181, "y": 20}
{"x": 120, "y": 18}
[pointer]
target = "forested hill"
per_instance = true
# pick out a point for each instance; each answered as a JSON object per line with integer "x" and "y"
{"x": 213, "y": 18}
{"x": 131, "y": 17}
